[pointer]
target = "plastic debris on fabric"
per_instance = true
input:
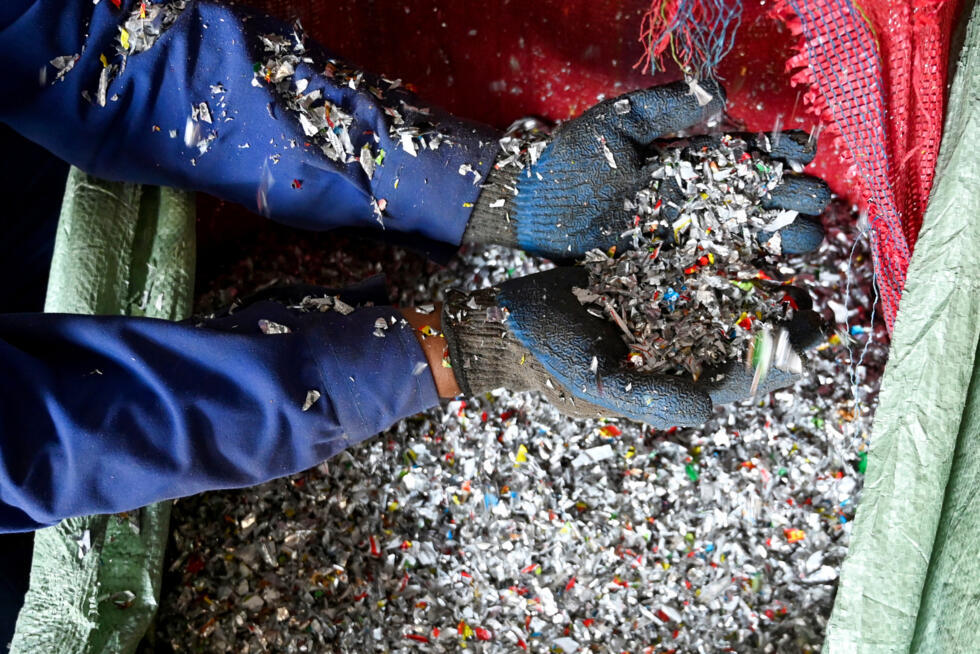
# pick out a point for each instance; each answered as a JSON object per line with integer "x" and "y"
{"x": 497, "y": 524}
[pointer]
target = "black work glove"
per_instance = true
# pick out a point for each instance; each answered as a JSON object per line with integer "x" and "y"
{"x": 570, "y": 200}
{"x": 548, "y": 342}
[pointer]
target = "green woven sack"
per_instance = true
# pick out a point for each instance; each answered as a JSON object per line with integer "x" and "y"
{"x": 121, "y": 249}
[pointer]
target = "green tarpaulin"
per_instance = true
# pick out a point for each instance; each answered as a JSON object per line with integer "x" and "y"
{"x": 911, "y": 578}
{"x": 121, "y": 249}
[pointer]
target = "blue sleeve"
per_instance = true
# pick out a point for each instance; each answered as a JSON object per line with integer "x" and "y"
{"x": 207, "y": 97}
{"x": 106, "y": 414}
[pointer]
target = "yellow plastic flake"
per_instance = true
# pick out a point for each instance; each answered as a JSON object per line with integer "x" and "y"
{"x": 464, "y": 630}
{"x": 521, "y": 454}
{"x": 393, "y": 506}
{"x": 630, "y": 453}
{"x": 428, "y": 331}
{"x": 523, "y": 358}
{"x": 467, "y": 204}
{"x": 105, "y": 62}
{"x": 680, "y": 225}
{"x": 124, "y": 38}
{"x": 795, "y": 535}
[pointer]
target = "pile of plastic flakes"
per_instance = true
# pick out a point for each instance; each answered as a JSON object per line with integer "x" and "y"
{"x": 690, "y": 293}
{"x": 495, "y": 524}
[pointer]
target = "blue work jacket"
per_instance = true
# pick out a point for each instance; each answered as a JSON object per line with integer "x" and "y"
{"x": 105, "y": 414}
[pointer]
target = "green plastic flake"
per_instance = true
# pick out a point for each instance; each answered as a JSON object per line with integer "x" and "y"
{"x": 862, "y": 462}
{"x": 692, "y": 471}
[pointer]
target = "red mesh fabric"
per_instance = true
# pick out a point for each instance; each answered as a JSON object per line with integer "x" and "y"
{"x": 881, "y": 89}
{"x": 878, "y": 79}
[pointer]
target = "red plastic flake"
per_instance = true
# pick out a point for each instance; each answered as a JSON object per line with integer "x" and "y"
{"x": 610, "y": 430}
{"x": 570, "y": 584}
{"x": 662, "y": 616}
{"x": 483, "y": 634}
{"x": 374, "y": 546}
{"x": 417, "y": 637}
{"x": 297, "y": 183}
{"x": 194, "y": 564}
{"x": 117, "y": 3}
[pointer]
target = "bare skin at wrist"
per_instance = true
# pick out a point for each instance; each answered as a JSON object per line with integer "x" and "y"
{"x": 428, "y": 329}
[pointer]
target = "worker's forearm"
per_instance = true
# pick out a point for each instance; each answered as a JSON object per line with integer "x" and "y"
{"x": 214, "y": 104}
{"x": 105, "y": 414}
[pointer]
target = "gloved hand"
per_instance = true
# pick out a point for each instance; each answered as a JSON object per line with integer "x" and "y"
{"x": 571, "y": 199}
{"x": 548, "y": 342}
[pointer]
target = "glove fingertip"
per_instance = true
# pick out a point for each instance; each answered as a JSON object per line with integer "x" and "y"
{"x": 801, "y": 237}
{"x": 662, "y": 110}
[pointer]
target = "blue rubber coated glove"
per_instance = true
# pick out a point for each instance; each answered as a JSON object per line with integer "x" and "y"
{"x": 570, "y": 199}
{"x": 532, "y": 333}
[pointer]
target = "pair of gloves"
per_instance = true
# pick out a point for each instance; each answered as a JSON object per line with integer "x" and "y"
{"x": 571, "y": 203}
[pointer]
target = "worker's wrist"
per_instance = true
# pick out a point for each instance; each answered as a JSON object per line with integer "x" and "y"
{"x": 428, "y": 329}
{"x": 492, "y": 219}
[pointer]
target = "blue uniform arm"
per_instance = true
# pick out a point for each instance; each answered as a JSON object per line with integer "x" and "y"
{"x": 106, "y": 414}
{"x": 208, "y": 97}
